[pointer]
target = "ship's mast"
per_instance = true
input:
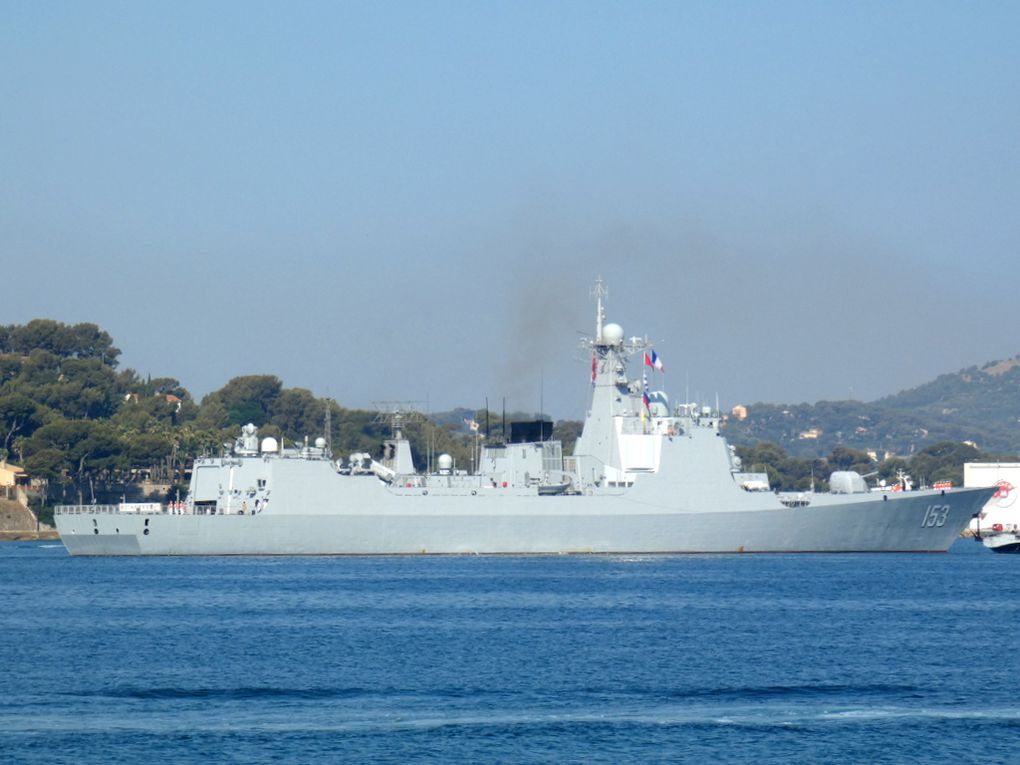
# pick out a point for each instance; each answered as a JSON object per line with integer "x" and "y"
{"x": 599, "y": 292}
{"x": 329, "y": 427}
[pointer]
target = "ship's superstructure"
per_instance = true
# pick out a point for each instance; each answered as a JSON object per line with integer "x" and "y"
{"x": 646, "y": 476}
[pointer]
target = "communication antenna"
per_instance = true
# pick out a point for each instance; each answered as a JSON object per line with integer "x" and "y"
{"x": 598, "y": 293}
{"x": 329, "y": 426}
{"x": 541, "y": 395}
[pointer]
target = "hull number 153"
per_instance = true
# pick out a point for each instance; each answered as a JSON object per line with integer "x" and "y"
{"x": 935, "y": 516}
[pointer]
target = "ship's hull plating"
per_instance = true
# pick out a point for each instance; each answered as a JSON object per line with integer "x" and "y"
{"x": 918, "y": 522}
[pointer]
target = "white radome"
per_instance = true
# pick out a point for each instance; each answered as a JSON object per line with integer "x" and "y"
{"x": 612, "y": 334}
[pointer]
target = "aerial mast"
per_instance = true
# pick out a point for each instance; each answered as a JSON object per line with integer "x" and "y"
{"x": 329, "y": 426}
{"x": 599, "y": 292}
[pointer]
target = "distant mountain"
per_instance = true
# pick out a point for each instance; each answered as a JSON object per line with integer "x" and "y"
{"x": 988, "y": 394}
{"x": 977, "y": 404}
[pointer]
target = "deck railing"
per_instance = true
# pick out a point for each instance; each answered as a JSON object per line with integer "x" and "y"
{"x": 146, "y": 508}
{"x": 141, "y": 508}
{"x": 80, "y": 509}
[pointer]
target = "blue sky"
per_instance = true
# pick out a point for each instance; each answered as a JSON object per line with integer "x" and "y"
{"x": 412, "y": 200}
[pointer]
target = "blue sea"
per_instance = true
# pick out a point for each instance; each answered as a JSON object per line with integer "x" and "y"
{"x": 574, "y": 659}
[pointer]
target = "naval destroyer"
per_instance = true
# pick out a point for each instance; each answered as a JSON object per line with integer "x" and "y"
{"x": 645, "y": 476}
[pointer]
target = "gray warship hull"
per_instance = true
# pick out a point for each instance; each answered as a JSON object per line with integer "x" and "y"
{"x": 458, "y": 529}
{"x": 315, "y": 511}
{"x": 645, "y": 477}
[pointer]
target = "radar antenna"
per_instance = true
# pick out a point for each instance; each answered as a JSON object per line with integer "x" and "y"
{"x": 396, "y": 414}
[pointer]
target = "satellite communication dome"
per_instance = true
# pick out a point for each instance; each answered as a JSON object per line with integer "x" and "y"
{"x": 445, "y": 462}
{"x": 612, "y": 334}
{"x": 320, "y": 443}
{"x": 269, "y": 445}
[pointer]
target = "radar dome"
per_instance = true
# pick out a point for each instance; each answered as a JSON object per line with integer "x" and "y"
{"x": 269, "y": 445}
{"x": 445, "y": 462}
{"x": 612, "y": 334}
{"x": 320, "y": 443}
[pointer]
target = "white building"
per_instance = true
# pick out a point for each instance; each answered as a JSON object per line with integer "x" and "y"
{"x": 1005, "y": 475}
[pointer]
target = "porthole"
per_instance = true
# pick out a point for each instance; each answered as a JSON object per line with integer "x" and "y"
{"x": 95, "y": 531}
{"x": 146, "y": 532}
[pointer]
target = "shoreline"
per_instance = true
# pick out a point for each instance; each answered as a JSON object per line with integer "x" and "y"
{"x": 29, "y": 536}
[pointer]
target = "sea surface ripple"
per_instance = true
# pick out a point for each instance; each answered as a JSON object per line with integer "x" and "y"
{"x": 593, "y": 659}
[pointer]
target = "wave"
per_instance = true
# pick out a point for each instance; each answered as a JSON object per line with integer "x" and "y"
{"x": 759, "y": 692}
{"x": 517, "y": 722}
{"x": 805, "y": 691}
{"x": 244, "y": 693}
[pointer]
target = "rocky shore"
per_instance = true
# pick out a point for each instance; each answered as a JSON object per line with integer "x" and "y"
{"x": 18, "y": 523}
{"x": 28, "y": 536}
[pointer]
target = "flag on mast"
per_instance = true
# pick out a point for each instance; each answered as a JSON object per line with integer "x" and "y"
{"x": 652, "y": 360}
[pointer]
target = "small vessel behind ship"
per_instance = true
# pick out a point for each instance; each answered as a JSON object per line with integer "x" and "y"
{"x": 1001, "y": 536}
{"x": 645, "y": 477}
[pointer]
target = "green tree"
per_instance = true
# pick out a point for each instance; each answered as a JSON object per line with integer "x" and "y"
{"x": 84, "y": 341}
{"x": 567, "y": 432}
{"x": 145, "y": 450}
{"x": 42, "y": 334}
{"x": 90, "y": 342}
{"x": 943, "y": 462}
{"x": 890, "y": 469}
{"x": 82, "y": 389}
{"x": 298, "y": 413}
{"x": 845, "y": 458}
{"x": 48, "y": 463}
{"x": 10, "y": 368}
{"x": 244, "y": 399}
{"x": 19, "y": 416}
{"x": 88, "y": 447}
